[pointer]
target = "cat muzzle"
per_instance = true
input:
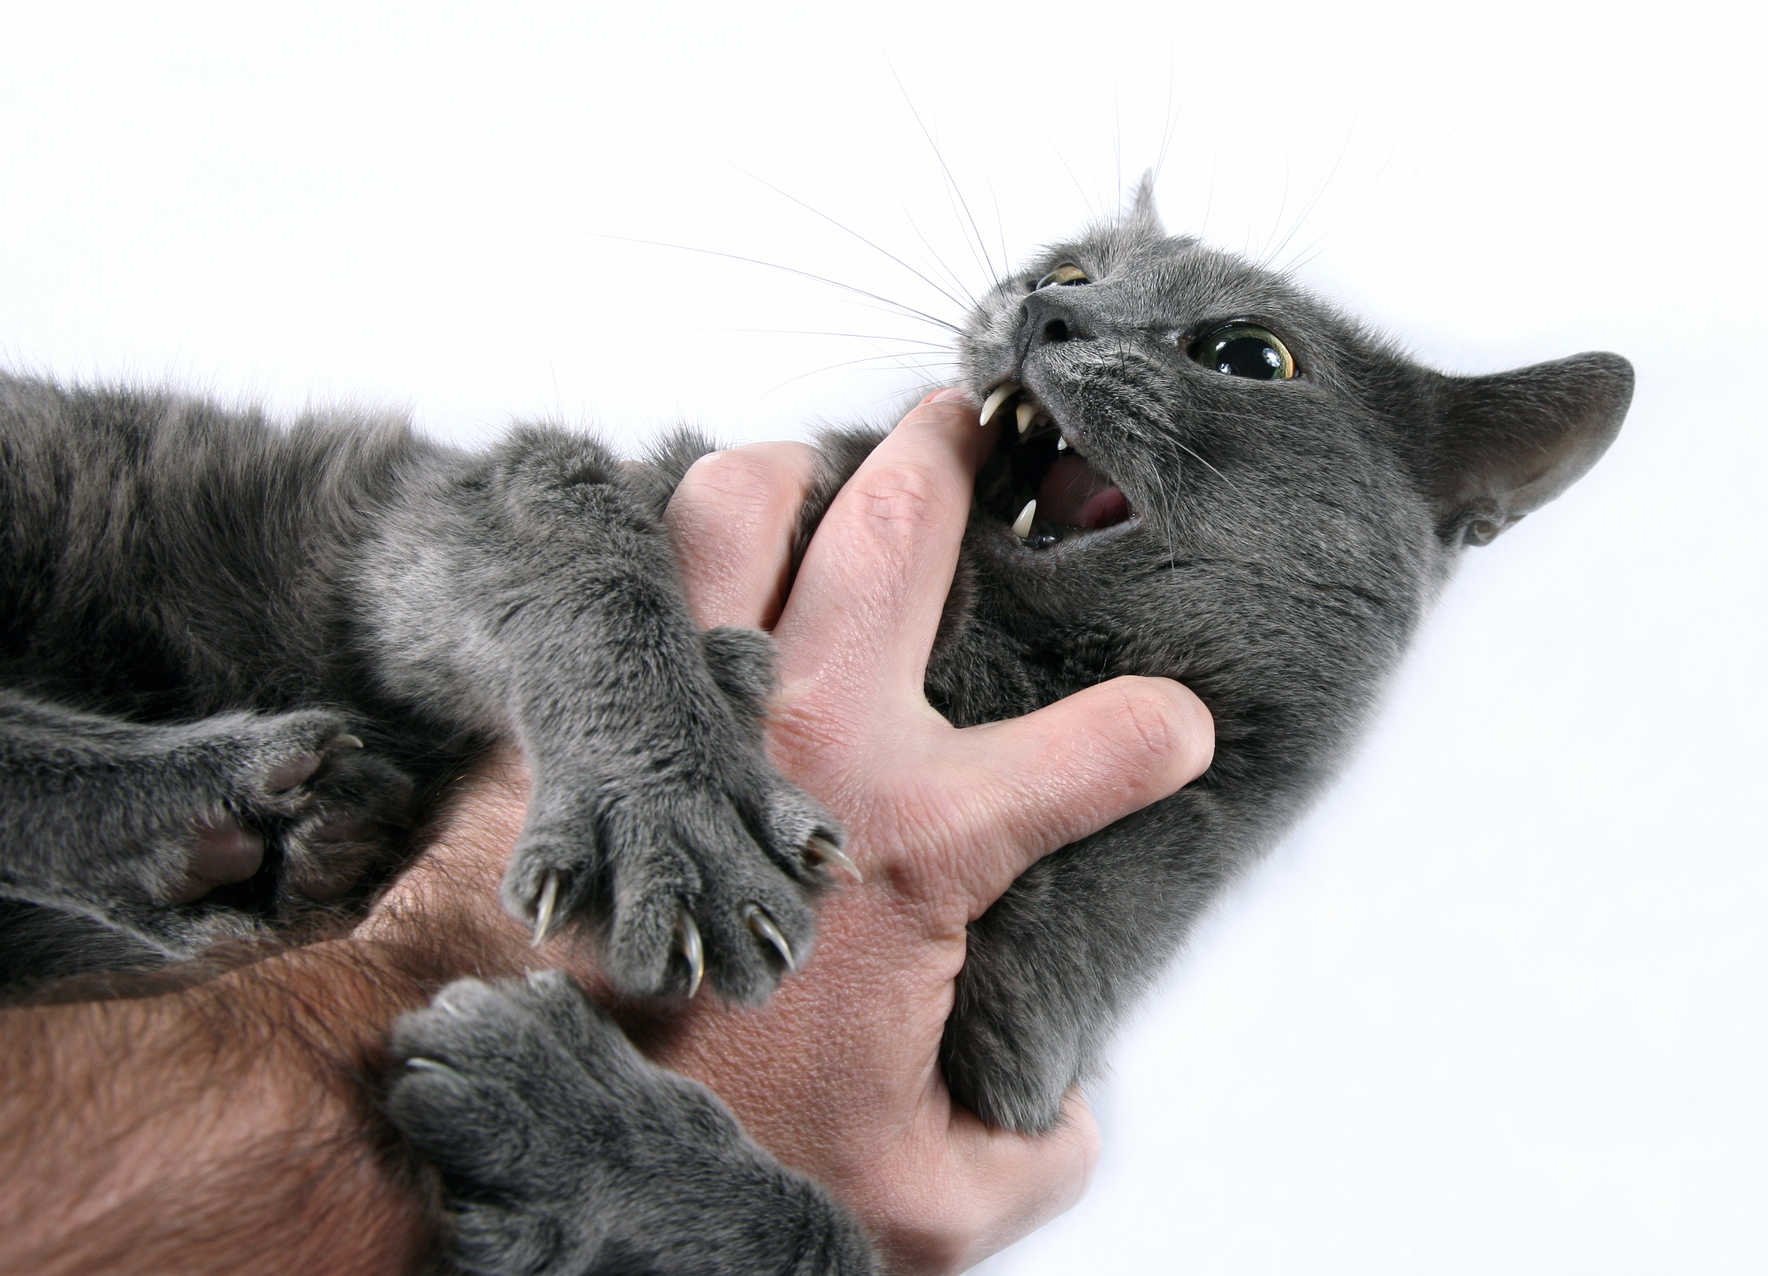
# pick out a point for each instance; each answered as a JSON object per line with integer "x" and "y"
{"x": 1038, "y": 482}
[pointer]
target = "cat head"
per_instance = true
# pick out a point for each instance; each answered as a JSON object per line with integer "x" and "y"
{"x": 1168, "y": 402}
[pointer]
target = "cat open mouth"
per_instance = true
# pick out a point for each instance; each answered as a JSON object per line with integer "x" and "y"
{"x": 1037, "y": 482}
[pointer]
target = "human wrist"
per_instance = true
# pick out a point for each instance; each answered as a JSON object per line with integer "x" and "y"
{"x": 271, "y": 1069}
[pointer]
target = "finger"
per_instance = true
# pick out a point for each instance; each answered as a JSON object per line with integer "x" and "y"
{"x": 869, "y": 594}
{"x": 1020, "y": 789}
{"x": 731, "y": 520}
{"x": 1023, "y": 1181}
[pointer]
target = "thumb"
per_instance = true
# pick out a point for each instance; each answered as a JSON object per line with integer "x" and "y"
{"x": 1021, "y": 1181}
{"x": 1049, "y": 778}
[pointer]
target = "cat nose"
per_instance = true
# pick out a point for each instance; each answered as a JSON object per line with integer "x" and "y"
{"x": 1051, "y": 315}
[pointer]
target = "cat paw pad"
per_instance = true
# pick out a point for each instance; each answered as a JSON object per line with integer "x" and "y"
{"x": 257, "y": 780}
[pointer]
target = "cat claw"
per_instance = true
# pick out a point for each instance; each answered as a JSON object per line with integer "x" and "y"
{"x": 764, "y": 928}
{"x": 823, "y": 851}
{"x": 692, "y": 952}
{"x": 543, "y": 908}
{"x": 292, "y": 775}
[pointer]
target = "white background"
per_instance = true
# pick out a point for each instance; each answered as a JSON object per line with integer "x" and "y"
{"x": 1497, "y": 1005}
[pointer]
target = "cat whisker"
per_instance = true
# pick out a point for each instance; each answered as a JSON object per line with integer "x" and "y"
{"x": 901, "y": 358}
{"x": 987, "y": 262}
{"x": 1209, "y": 196}
{"x": 1117, "y": 141}
{"x": 954, "y": 202}
{"x": 793, "y": 270}
{"x": 1000, "y": 227}
{"x": 1085, "y": 199}
{"x": 869, "y": 243}
{"x": 950, "y": 274}
{"x": 829, "y": 332}
{"x": 1306, "y": 259}
{"x": 1197, "y": 456}
{"x": 899, "y": 361}
{"x": 1166, "y": 132}
{"x": 1166, "y": 500}
{"x": 1308, "y": 209}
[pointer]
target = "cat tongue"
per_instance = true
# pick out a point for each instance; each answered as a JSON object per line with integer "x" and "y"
{"x": 1076, "y": 494}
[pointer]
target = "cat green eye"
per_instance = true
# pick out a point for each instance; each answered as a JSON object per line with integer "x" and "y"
{"x": 1245, "y": 350}
{"x": 1063, "y": 274}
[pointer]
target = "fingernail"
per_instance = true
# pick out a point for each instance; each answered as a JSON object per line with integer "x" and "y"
{"x": 951, "y": 394}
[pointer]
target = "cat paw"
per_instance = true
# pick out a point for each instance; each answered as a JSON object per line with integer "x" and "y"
{"x": 359, "y": 812}
{"x": 741, "y": 662}
{"x": 682, "y": 881}
{"x": 242, "y": 774}
{"x": 688, "y": 857}
{"x": 1012, "y": 1048}
{"x": 561, "y": 1149}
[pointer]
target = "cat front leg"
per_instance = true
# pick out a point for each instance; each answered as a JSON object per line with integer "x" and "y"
{"x": 532, "y": 591}
{"x": 562, "y": 1150}
{"x": 1052, "y": 965}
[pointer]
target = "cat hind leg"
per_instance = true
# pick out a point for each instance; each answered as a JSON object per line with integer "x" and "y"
{"x": 133, "y": 823}
{"x": 563, "y": 1150}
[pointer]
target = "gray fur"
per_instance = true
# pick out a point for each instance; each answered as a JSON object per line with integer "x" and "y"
{"x": 619, "y": 1169}
{"x": 197, "y": 604}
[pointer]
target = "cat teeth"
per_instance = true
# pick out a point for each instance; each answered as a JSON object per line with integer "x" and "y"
{"x": 1062, "y": 443}
{"x": 1022, "y": 524}
{"x": 999, "y": 395}
{"x": 1027, "y": 413}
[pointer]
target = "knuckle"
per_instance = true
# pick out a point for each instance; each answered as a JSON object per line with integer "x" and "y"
{"x": 752, "y": 479}
{"x": 1170, "y": 728}
{"x": 953, "y": 414}
{"x": 909, "y": 497}
{"x": 1153, "y": 731}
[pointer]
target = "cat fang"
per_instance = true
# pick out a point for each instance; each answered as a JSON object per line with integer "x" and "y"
{"x": 1039, "y": 471}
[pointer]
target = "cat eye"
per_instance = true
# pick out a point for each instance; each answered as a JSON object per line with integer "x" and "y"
{"x": 1065, "y": 275}
{"x": 1245, "y": 350}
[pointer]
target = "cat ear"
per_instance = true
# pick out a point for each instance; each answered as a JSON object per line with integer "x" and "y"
{"x": 1142, "y": 208}
{"x": 1508, "y": 443}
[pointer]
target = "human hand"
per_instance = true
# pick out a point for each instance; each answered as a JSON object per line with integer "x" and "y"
{"x": 838, "y": 1075}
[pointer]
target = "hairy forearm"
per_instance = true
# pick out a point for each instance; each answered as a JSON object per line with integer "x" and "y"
{"x": 234, "y": 1124}
{"x": 224, "y": 1127}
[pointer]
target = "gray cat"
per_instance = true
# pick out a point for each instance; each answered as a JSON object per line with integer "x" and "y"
{"x": 239, "y": 659}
